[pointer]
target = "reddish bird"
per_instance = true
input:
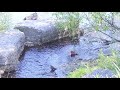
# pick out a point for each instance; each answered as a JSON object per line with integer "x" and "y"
{"x": 73, "y": 54}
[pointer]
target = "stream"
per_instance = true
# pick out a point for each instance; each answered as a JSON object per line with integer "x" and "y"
{"x": 37, "y": 62}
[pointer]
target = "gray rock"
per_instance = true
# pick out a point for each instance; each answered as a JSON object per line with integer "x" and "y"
{"x": 11, "y": 46}
{"x": 115, "y": 46}
{"x": 100, "y": 73}
{"x": 33, "y": 16}
{"x": 92, "y": 42}
{"x": 39, "y": 32}
{"x": 89, "y": 47}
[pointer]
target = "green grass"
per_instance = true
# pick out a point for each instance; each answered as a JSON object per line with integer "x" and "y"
{"x": 68, "y": 22}
{"x": 105, "y": 62}
{"x": 78, "y": 73}
{"x": 5, "y": 20}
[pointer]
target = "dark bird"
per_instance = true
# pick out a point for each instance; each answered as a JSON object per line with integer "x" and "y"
{"x": 107, "y": 42}
{"x": 73, "y": 54}
{"x": 52, "y": 69}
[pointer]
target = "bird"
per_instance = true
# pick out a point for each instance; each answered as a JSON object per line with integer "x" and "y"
{"x": 73, "y": 54}
{"x": 52, "y": 69}
{"x": 106, "y": 42}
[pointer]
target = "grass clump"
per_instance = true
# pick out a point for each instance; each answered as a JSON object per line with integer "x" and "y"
{"x": 80, "y": 72}
{"x": 5, "y": 20}
{"x": 107, "y": 62}
{"x": 68, "y": 22}
{"x": 110, "y": 62}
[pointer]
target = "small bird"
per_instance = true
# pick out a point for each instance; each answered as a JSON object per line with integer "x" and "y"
{"x": 52, "y": 69}
{"x": 73, "y": 54}
{"x": 107, "y": 42}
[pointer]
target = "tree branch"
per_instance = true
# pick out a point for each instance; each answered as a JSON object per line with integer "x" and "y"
{"x": 100, "y": 30}
{"x": 111, "y": 24}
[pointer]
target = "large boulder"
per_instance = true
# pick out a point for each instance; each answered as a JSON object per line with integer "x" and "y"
{"x": 11, "y": 46}
{"x": 38, "y": 32}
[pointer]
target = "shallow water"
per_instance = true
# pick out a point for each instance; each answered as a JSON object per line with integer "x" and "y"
{"x": 36, "y": 62}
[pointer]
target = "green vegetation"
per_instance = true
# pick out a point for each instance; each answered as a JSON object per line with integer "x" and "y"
{"x": 78, "y": 73}
{"x": 105, "y": 62}
{"x": 110, "y": 62}
{"x": 98, "y": 21}
{"x": 68, "y": 21}
{"x": 5, "y": 20}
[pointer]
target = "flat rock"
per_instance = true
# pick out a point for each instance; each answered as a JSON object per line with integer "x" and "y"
{"x": 91, "y": 43}
{"x": 37, "y": 33}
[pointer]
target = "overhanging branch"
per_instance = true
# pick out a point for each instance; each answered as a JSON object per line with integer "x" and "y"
{"x": 102, "y": 31}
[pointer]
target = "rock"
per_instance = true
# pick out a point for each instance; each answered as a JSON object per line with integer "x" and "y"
{"x": 89, "y": 47}
{"x": 115, "y": 46}
{"x": 33, "y": 16}
{"x": 100, "y": 73}
{"x": 99, "y": 35}
{"x": 11, "y": 46}
{"x": 39, "y": 32}
{"x": 92, "y": 42}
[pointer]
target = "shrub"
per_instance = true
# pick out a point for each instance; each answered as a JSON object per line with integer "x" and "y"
{"x": 106, "y": 62}
{"x": 68, "y": 21}
{"x": 110, "y": 62}
{"x": 5, "y": 20}
{"x": 81, "y": 71}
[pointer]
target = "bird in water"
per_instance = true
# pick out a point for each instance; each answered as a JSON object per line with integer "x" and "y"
{"x": 73, "y": 54}
{"x": 52, "y": 69}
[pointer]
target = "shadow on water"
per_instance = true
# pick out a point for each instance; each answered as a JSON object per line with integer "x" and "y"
{"x": 45, "y": 61}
